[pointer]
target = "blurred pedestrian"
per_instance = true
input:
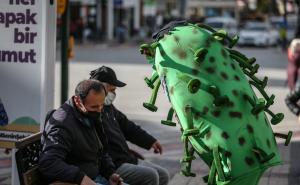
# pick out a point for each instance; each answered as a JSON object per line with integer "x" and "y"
{"x": 80, "y": 28}
{"x": 121, "y": 32}
{"x": 73, "y": 28}
{"x": 282, "y": 36}
{"x": 293, "y": 97}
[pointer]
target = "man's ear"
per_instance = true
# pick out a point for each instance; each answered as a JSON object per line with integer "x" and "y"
{"x": 104, "y": 87}
{"x": 79, "y": 105}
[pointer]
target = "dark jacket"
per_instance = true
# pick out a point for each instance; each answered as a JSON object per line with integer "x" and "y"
{"x": 72, "y": 147}
{"x": 119, "y": 129}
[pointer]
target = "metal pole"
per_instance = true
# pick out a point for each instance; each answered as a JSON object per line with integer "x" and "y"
{"x": 237, "y": 13}
{"x": 137, "y": 18}
{"x": 64, "y": 54}
{"x": 110, "y": 19}
{"x": 99, "y": 19}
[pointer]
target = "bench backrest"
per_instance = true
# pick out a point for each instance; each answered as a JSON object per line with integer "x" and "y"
{"x": 27, "y": 157}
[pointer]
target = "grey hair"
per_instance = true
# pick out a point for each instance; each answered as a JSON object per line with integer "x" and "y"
{"x": 83, "y": 88}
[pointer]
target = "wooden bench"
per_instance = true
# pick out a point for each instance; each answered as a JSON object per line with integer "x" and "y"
{"x": 27, "y": 158}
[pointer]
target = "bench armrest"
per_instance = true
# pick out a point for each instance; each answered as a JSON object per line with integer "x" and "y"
{"x": 27, "y": 140}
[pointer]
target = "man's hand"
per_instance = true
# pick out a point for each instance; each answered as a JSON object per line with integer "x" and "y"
{"x": 299, "y": 119}
{"x": 157, "y": 147}
{"x": 115, "y": 179}
{"x": 87, "y": 181}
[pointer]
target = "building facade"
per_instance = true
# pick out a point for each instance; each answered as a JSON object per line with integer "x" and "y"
{"x": 212, "y": 8}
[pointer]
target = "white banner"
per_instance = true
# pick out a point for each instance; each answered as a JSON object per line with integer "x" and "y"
{"x": 27, "y": 58}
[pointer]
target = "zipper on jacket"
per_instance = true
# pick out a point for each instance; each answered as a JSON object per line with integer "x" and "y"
{"x": 100, "y": 149}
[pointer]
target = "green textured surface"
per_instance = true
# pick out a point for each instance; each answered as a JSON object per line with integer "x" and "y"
{"x": 221, "y": 103}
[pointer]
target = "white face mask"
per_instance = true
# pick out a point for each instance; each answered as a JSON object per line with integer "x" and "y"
{"x": 110, "y": 97}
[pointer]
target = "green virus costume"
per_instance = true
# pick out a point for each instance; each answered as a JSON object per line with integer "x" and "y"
{"x": 209, "y": 86}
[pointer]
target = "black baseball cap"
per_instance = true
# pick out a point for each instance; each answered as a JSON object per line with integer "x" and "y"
{"x": 106, "y": 74}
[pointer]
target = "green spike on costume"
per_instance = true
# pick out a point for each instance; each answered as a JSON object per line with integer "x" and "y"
{"x": 240, "y": 58}
{"x": 200, "y": 55}
{"x": 186, "y": 161}
{"x": 287, "y": 137}
{"x": 151, "y": 105}
{"x": 221, "y": 34}
{"x": 147, "y": 50}
{"x": 276, "y": 118}
{"x": 169, "y": 119}
{"x": 194, "y": 85}
{"x": 218, "y": 164}
{"x": 204, "y": 130}
{"x": 190, "y": 131}
{"x": 259, "y": 107}
{"x": 152, "y": 80}
{"x": 212, "y": 174}
{"x": 219, "y": 100}
{"x": 262, "y": 156}
{"x": 221, "y": 117}
{"x": 206, "y": 27}
{"x": 234, "y": 41}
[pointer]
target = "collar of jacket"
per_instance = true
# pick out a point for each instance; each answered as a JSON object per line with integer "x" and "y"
{"x": 111, "y": 106}
{"x": 78, "y": 115}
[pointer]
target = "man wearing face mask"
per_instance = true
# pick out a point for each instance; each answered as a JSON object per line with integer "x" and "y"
{"x": 72, "y": 141}
{"x": 120, "y": 129}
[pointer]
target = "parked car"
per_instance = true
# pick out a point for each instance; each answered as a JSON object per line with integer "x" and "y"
{"x": 227, "y": 23}
{"x": 258, "y": 34}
